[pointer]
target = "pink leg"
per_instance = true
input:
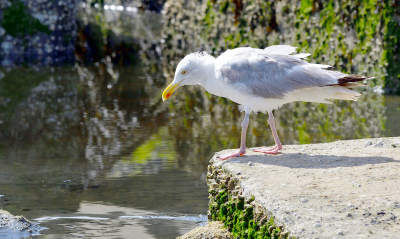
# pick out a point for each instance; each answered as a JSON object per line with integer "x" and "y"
{"x": 278, "y": 144}
{"x": 242, "y": 150}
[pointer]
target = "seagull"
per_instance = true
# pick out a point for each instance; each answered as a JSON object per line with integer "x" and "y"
{"x": 262, "y": 80}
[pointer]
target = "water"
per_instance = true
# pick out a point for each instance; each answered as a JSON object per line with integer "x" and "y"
{"x": 92, "y": 151}
{"x": 71, "y": 158}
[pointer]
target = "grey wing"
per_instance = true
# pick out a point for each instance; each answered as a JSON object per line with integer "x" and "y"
{"x": 271, "y": 75}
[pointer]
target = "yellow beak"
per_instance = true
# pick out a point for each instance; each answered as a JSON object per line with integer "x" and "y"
{"x": 169, "y": 90}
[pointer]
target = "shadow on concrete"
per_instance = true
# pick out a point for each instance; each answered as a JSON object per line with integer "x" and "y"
{"x": 298, "y": 160}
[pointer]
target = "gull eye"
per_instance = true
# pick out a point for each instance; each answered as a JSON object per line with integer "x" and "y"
{"x": 184, "y": 72}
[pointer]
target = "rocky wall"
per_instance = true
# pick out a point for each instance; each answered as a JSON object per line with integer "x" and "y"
{"x": 37, "y": 32}
{"x": 357, "y": 37}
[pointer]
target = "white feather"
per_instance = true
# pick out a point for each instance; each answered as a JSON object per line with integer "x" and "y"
{"x": 280, "y": 49}
{"x": 302, "y": 55}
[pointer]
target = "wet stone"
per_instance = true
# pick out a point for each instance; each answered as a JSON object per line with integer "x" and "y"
{"x": 17, "y": 226}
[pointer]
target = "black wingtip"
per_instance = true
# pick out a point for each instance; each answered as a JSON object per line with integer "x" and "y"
{"x": 344, "y": 81}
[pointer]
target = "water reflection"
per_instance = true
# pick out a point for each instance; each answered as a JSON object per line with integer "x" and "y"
{"x": 121, "y": 222}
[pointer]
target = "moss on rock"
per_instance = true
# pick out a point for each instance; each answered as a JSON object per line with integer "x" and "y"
{"x": 240, "y": 214}
{"x": 357, "y": 37}
{"x": 18, "y": 22}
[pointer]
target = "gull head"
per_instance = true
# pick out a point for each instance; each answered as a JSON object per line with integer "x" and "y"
{"x": 191, "y": 70}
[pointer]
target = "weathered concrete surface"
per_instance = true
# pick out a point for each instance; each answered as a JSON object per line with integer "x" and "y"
{"x": 343, "y": 189}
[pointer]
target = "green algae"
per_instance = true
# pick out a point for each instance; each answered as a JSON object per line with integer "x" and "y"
{"x": 356, "y": 37}
{"x": 16, "y": 85}
{"x": 320, "y": 28}
{"x": 18, "y": 22}
{"x": 392, "y": 49}
{"x": 236, "y": 212}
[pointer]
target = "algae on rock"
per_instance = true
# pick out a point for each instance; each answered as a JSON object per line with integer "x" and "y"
{"x": 353, "y": 36}
{"x": 239, "y": 213}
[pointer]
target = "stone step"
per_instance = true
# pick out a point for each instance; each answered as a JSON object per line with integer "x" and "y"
{"x": 343, "y": 189}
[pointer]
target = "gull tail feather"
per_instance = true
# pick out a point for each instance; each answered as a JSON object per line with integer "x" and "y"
{"x": 352, "y": 78}
{"x": 351, "y": 81}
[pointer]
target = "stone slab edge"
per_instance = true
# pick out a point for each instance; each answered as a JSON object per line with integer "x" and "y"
{"x": 343, "y": 189}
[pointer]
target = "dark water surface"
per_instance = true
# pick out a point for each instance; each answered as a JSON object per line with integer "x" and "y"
{"x": 73, "y": 151}
{"x": 91, "y": 150}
